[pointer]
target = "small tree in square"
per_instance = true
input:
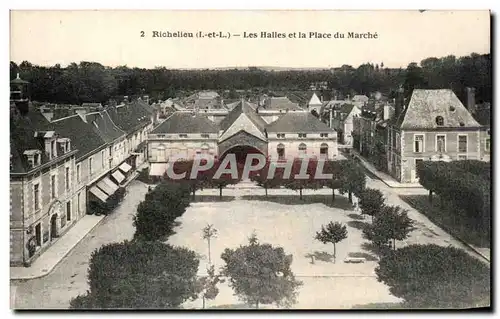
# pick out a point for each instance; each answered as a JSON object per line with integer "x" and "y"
{"x": 333, "y": 233}
{"x": 209, "y": 232}
{"x": 392, "y": 223}
{"x": 261, "y": 274}
{"x": 208, "y": 285}
{"x": 371, "y": 202}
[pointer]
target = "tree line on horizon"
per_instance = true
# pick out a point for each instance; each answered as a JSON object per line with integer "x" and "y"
{"x": 92, "y": 82}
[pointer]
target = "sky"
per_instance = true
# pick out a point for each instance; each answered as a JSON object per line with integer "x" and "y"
{"x": 113, "y": 38}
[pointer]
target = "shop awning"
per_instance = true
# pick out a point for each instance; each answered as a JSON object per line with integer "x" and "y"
{"x": 99, "y": 193}
{"x": 107, "y": 186}
{"x": 157, "y": 169}
{"x": 125, "y": 167}
{"x": 118, "y": 176}
{"x": 110, "y": 183}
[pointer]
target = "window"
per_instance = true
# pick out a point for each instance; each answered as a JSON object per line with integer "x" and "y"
{"x": 281, "y": 135}
{"x": 78, "y": 202}
{"x": 302, "y": 149}
{"x": 281, "y": 151}
{"x": 440, "y": 143}
{"x": 323, "y": 134}
{"x": 53, "y": 149}
{"x": 205, "y": 136}
{"x": 302, "y": 135}
{"x": 90, "y": 166}
{"x": 102, "y": 159}
{"x": 110, "y": 151}
{"x": 36, "y": 196}
{"x": 487, "y": 145}
{"x": 67, "y": 178}
{"x": 439, "y": 120}
{"x": 323, "y": 151}
{"x": 67, "y": 146}
{"x": 68, "y": 211}
{"x": 78, "y": 175}
{"x": 53, "y": 186}
{"x": 418, "y": 161}
{"x": 462, "y": 157}
{"x": 38, "y": 234}
{"x": 418, "y": 144}
{"x": 462, "y": 143}
{"x": 183, "y": 135}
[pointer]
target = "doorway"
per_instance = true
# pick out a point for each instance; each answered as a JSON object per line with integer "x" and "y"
{"x": 53, "y": 227}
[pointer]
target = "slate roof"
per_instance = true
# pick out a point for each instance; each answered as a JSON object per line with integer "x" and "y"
{"x": 426, "y": 105}
{"x": 249, "y": 110}
{"x": 83, "y": 136}
{"x": 130, "y": 116}
{"x": 104, "y": 126}
{"x": 280, "y": 103}
{"x": 22, "y": 138}
{"x": 346, "y": 108}
{"x": 186, "y": 122}
{"x": 293, "y": 122}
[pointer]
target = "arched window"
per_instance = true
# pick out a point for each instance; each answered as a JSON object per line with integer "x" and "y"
{"x": 302, "y": 149}
{"x": 439, "y": 120}
{"x": 281, "y": 151}
{"x": 323, "y": 151}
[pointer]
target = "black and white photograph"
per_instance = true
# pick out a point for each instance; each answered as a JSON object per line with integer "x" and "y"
{"x": 209, "y": 160}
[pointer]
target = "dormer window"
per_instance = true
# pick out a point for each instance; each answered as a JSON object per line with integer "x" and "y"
{"x": 439, "y": 120}
{"x": 64, "y": 145}
{"x": 183, "y": 135}
{"x": 452, "y": 108}
{"x": 34, "y": 157}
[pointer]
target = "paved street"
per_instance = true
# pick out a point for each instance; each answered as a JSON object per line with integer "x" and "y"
{"x": 69, "y": 278}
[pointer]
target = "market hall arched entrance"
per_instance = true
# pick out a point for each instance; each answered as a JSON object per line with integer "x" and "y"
{"x": 242, "y": 144}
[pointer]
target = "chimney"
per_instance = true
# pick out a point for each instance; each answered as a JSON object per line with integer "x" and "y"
{"x": 471, "y": 99}
{"x": 399, "y": 102}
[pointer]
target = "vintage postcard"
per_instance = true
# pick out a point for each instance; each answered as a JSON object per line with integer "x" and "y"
{"x": 210, "y": 160}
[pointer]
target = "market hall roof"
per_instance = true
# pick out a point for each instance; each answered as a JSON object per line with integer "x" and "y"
{"x": 186, "y": 122}
{"x": 298, "y": 122}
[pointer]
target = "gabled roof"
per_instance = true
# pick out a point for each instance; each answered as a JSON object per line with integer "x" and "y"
{"x": 426, "y": 105}
{"x": 315, "y": 100}
{"x": 104, "y": 126}
{"x": 300, "y": 121}
{"x": 186, "y": 122}
{"x": 280, "y": 103}
{"x": 346, "y": 108}
{"x": 249, "y": 110}
{"x": 130, "y": 117}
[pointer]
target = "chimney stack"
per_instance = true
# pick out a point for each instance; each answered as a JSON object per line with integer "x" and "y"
{"x": 399, "y": 102}
{"x": 471, "y": 99}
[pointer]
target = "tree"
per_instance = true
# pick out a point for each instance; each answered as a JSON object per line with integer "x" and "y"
{"x": 432, "y": 276}
{"x": 332, "y": 233}
{"x": 261, "y": 178}
{"x": 352, "y": 179}
{"x": 261, "y": 274}
{"x": 209, "y": 232}
{"x": 334, "y": 168}
{"x": 391, "y": 223}
{"x": 140, "y": 275}
{"x": 295, "y": 182}
{"x": 371, "y": 202}
{"x": 155, "y": 218}
{"x": 209, "y": 283}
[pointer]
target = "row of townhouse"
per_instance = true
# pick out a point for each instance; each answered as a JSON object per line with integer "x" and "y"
{"x": 59, "y": 166}
{"x": 433, "y": 126}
